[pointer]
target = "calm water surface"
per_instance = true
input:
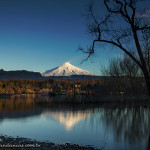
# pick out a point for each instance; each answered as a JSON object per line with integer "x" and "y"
{"x": 111, "y": 127}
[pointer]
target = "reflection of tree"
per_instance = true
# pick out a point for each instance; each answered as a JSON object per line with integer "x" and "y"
{"x": 17, "y": 103}
{"x": 148, "y": 143}
{"x": 127, "y": 123}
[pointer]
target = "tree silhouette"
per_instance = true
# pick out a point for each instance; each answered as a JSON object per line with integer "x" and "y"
{"x": 132, "y": 31}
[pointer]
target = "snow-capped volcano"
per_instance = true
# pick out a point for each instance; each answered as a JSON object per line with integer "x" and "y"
{"x": 65, "y": 70}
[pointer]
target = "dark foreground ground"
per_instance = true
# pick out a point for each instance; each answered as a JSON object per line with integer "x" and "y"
{"x": 9, "y": 143}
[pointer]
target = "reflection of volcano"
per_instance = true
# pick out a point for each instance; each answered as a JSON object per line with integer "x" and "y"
{"x": 67, "y": 118}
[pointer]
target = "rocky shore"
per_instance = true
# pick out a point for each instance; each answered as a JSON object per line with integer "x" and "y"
{"x": 11, "y": 143}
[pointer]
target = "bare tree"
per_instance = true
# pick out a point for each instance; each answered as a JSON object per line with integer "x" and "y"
{"x": 126, "y": 75}
{"x": 122, "y": 66}
{"x": 135, "y": 28}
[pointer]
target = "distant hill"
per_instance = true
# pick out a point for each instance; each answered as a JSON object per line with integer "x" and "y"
{"x": 20, "y": 74}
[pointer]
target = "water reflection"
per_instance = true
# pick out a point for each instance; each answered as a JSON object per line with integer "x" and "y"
{"x": 148, "y": 143}
{"x": 124, "y": 124}
{"x": 67, "y": 118}
{"x": 131, "y": 124}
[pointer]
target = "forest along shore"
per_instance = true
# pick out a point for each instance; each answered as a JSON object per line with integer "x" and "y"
{"x": 113, "y": 86}
{"x": 10, "y": 143}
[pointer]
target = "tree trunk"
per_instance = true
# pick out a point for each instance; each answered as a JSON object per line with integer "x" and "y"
{"x": 143, "y": 62}
{"x": 147, "y": 81}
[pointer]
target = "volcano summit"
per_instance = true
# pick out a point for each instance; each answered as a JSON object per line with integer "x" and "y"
{"x": 65, "y": 70}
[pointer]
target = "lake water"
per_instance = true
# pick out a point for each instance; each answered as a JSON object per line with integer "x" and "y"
{"x": 112, "y": 127}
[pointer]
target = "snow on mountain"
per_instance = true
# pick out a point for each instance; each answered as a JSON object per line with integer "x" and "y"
{"x": 65, "y": 70}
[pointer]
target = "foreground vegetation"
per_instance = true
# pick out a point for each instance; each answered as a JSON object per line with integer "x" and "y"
{"x": 105, "y": 86}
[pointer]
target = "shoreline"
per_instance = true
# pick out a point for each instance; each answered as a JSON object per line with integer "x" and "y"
{"x": 99, "y": 98}
{"x": 19, "y": 143}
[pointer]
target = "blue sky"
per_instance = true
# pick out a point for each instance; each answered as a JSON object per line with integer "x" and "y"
{"x": 38, "y": 35}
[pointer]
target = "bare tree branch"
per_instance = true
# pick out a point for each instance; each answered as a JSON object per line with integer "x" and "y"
{"x": 143, "y": 28}
{"x": 108, "y": 31}
{"x": 119, "y": 46}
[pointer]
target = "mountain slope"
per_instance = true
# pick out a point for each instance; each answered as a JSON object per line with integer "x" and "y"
{"x": 20, "y": 74}
{"x": 65, "y": 70}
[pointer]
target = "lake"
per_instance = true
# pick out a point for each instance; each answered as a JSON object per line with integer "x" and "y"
{"x": 112, "y": 126}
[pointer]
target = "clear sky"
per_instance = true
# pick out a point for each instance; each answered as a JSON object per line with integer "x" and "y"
{"x": 38, "y": 35}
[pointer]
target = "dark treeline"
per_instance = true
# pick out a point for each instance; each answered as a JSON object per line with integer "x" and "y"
{"x": 23, "y": 86}
{"x": 109, "y": 86}
{"x": 51, "y": 85}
